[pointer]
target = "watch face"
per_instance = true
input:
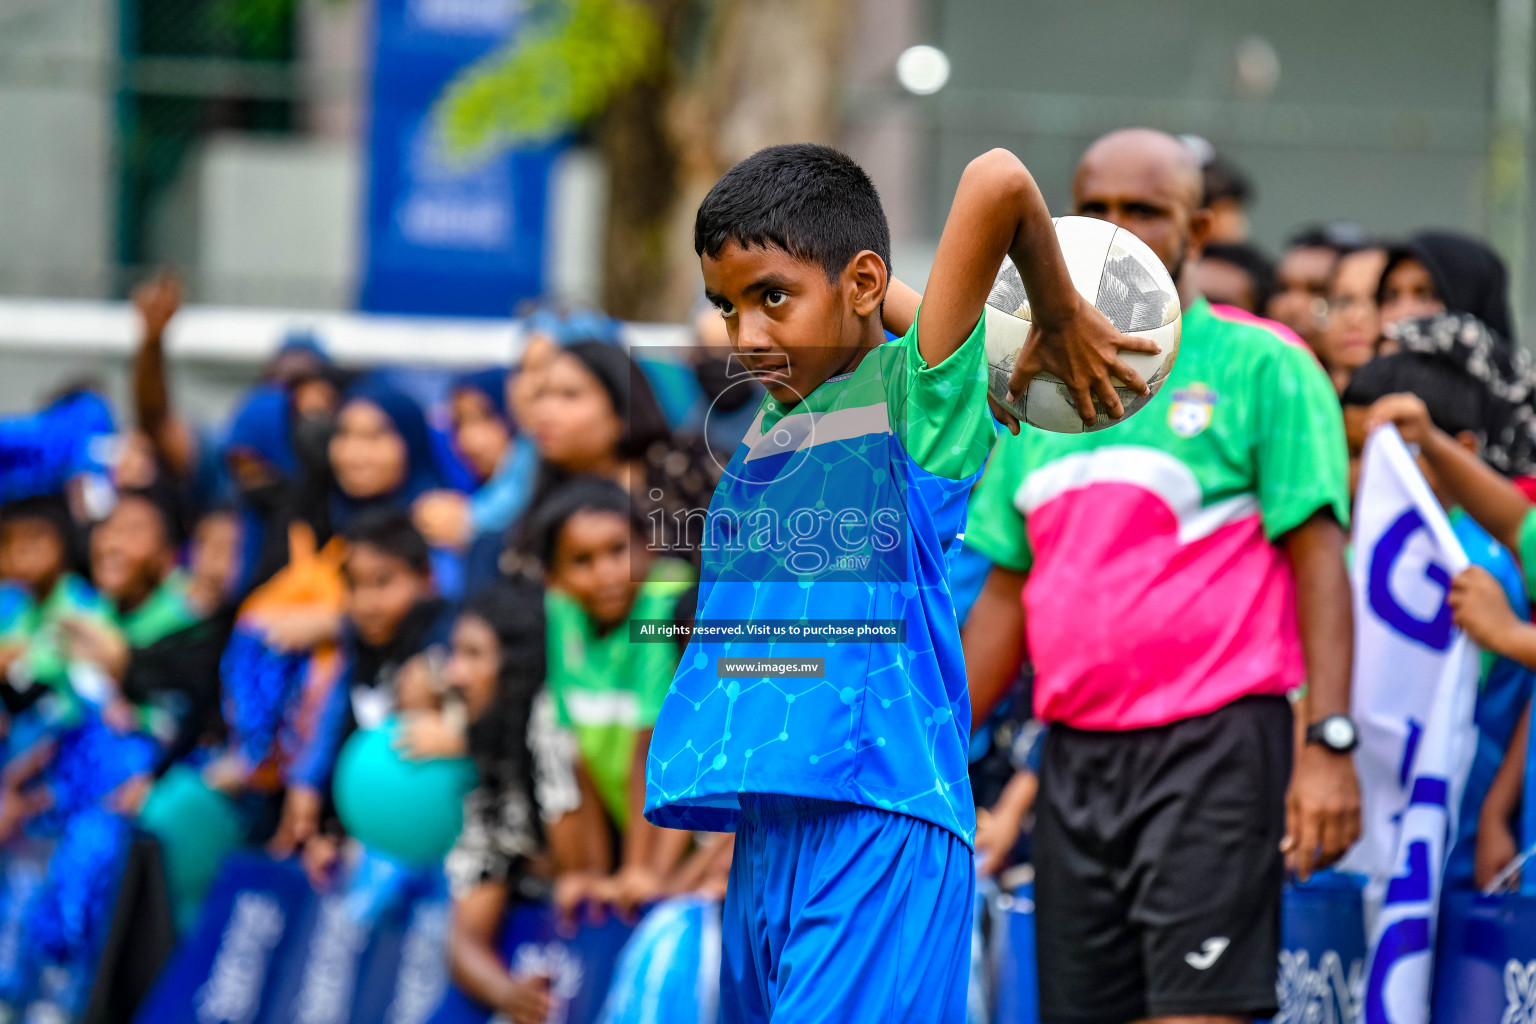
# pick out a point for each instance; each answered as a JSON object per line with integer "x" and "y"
{"x": 1338, "y": 733}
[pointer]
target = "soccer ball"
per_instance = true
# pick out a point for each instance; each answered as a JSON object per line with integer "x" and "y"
{"x": 1114, "y": 270}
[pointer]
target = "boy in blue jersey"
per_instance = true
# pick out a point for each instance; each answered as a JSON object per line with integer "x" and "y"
{"x": 850, "y": 894}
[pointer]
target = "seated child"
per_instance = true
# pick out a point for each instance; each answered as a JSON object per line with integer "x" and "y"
{"x": 607, "y": 687}
{"x": 37, "y": 540}
{"x": 393, "y": 613}
{"x": 503, "y": 465}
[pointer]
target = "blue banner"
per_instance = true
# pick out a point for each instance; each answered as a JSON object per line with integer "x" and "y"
{"x": 444, "y": 236}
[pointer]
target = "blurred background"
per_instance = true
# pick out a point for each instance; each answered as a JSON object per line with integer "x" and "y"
{"x": 453, "y": 158}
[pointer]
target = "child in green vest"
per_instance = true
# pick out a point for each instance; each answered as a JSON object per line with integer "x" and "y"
{"x": 607, "y": 685}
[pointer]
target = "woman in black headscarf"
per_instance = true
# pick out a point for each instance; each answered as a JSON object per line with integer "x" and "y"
{"x": 1437, "y": 272}
{"x": 1446, "y": 295}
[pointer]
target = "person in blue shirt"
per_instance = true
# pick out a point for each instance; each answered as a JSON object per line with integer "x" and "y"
{"x": 851, "y": 888}
{"x": 503, "y": 464}
{"x": 1456, "y": 403}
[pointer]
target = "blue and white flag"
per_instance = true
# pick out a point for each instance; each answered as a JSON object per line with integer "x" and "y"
{"x": 1415, "y": 690}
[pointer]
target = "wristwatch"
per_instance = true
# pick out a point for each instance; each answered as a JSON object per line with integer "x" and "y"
{"x": 1336, "y": 733}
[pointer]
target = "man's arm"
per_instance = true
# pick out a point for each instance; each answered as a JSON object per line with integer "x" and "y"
{"x": 993, "y": 640}
{"x": 998, "y": 211}
{"x": 1497, "y": 505}
{"x": 1323, "y": 804}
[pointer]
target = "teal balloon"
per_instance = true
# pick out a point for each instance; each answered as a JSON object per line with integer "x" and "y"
{"x": 197, "y": 828}
{"x": 409, "y": 810}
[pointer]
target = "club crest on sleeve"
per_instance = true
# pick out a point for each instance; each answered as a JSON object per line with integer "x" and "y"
{"x": 1190, "y": 412}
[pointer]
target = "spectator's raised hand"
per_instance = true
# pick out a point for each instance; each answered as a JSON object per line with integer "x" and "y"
{"x": 1482, "y": 609}
{"x": 156, "y": 301}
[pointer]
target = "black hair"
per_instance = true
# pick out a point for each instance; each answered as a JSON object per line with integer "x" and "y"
{"x": 1339, "y": 235}
{"x": 1222, "y": 179}
{"x": 1250, "y": 259}
{"x": 53, "y": 511}
{"x": 163, "y": 501}
{"x": 629, "y": 391}
{"x": 541, "y": 527}
{"x": 811, "y": 201}
{"x": 498, "y": 739}
{"x": 1456, "y": 400}
{"x": 1469, "y": 277}
{"x": 392, "y": 532}
{"x": 643, "y": 422}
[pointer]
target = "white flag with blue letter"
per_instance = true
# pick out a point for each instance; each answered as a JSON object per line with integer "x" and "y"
{"x": 1415, "y": 690}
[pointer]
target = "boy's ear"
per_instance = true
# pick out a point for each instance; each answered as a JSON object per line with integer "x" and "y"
{"x": 866, "y": 275}
{"x": 1470, "y": 441}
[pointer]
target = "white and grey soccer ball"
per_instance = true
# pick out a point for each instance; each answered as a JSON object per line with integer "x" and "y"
{"x": 1120, "y": 275}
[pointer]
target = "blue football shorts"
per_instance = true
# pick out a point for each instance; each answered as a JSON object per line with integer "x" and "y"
{"x": 838, "y": 912}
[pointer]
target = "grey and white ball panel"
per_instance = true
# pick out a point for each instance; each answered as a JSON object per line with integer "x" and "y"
{"x": 1125, "y": 281}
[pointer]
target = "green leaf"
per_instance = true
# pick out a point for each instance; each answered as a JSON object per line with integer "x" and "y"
{"x": 560, "y": 73}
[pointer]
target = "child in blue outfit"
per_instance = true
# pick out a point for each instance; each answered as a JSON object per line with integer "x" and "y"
{"x": 850, "y": 894}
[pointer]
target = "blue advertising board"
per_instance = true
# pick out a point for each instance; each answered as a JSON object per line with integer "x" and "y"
{"x": 445, "y": 235}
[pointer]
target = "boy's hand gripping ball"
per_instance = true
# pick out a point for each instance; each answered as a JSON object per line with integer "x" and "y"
{"x": 1120, "y": 275}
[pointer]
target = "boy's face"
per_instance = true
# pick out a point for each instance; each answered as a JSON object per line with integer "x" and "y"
{"x": 381, "y": 591}
{"x": 791, "y": 327}
{"x": 31, "y": 553}
{"x": 130, "y": 553}
{"x": 592, "y": 564}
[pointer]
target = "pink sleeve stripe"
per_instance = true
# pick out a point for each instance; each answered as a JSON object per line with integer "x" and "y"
{"x": 1231, "y": 314}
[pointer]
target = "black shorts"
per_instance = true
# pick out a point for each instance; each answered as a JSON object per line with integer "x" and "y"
{"x": 1158, "y": 867}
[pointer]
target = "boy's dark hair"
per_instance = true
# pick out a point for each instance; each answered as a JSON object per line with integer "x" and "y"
{"x": 540, "y": 533}
{"x": 811, "y": 201}
{"x": 393, "y": 533}
{"x": 1456, "y": 401}
{"x": 1250, "y": 259}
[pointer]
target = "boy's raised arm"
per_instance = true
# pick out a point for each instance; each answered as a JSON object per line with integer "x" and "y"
{"x": 998, "y": 211}
{"x": 1497, "y": 505}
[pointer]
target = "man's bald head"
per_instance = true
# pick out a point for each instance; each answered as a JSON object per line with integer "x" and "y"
{"x": 1156, "y": 156}
{"x": 1149, "y": 183}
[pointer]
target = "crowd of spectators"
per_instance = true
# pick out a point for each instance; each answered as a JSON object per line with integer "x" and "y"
{"x": 240, "y": 635}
